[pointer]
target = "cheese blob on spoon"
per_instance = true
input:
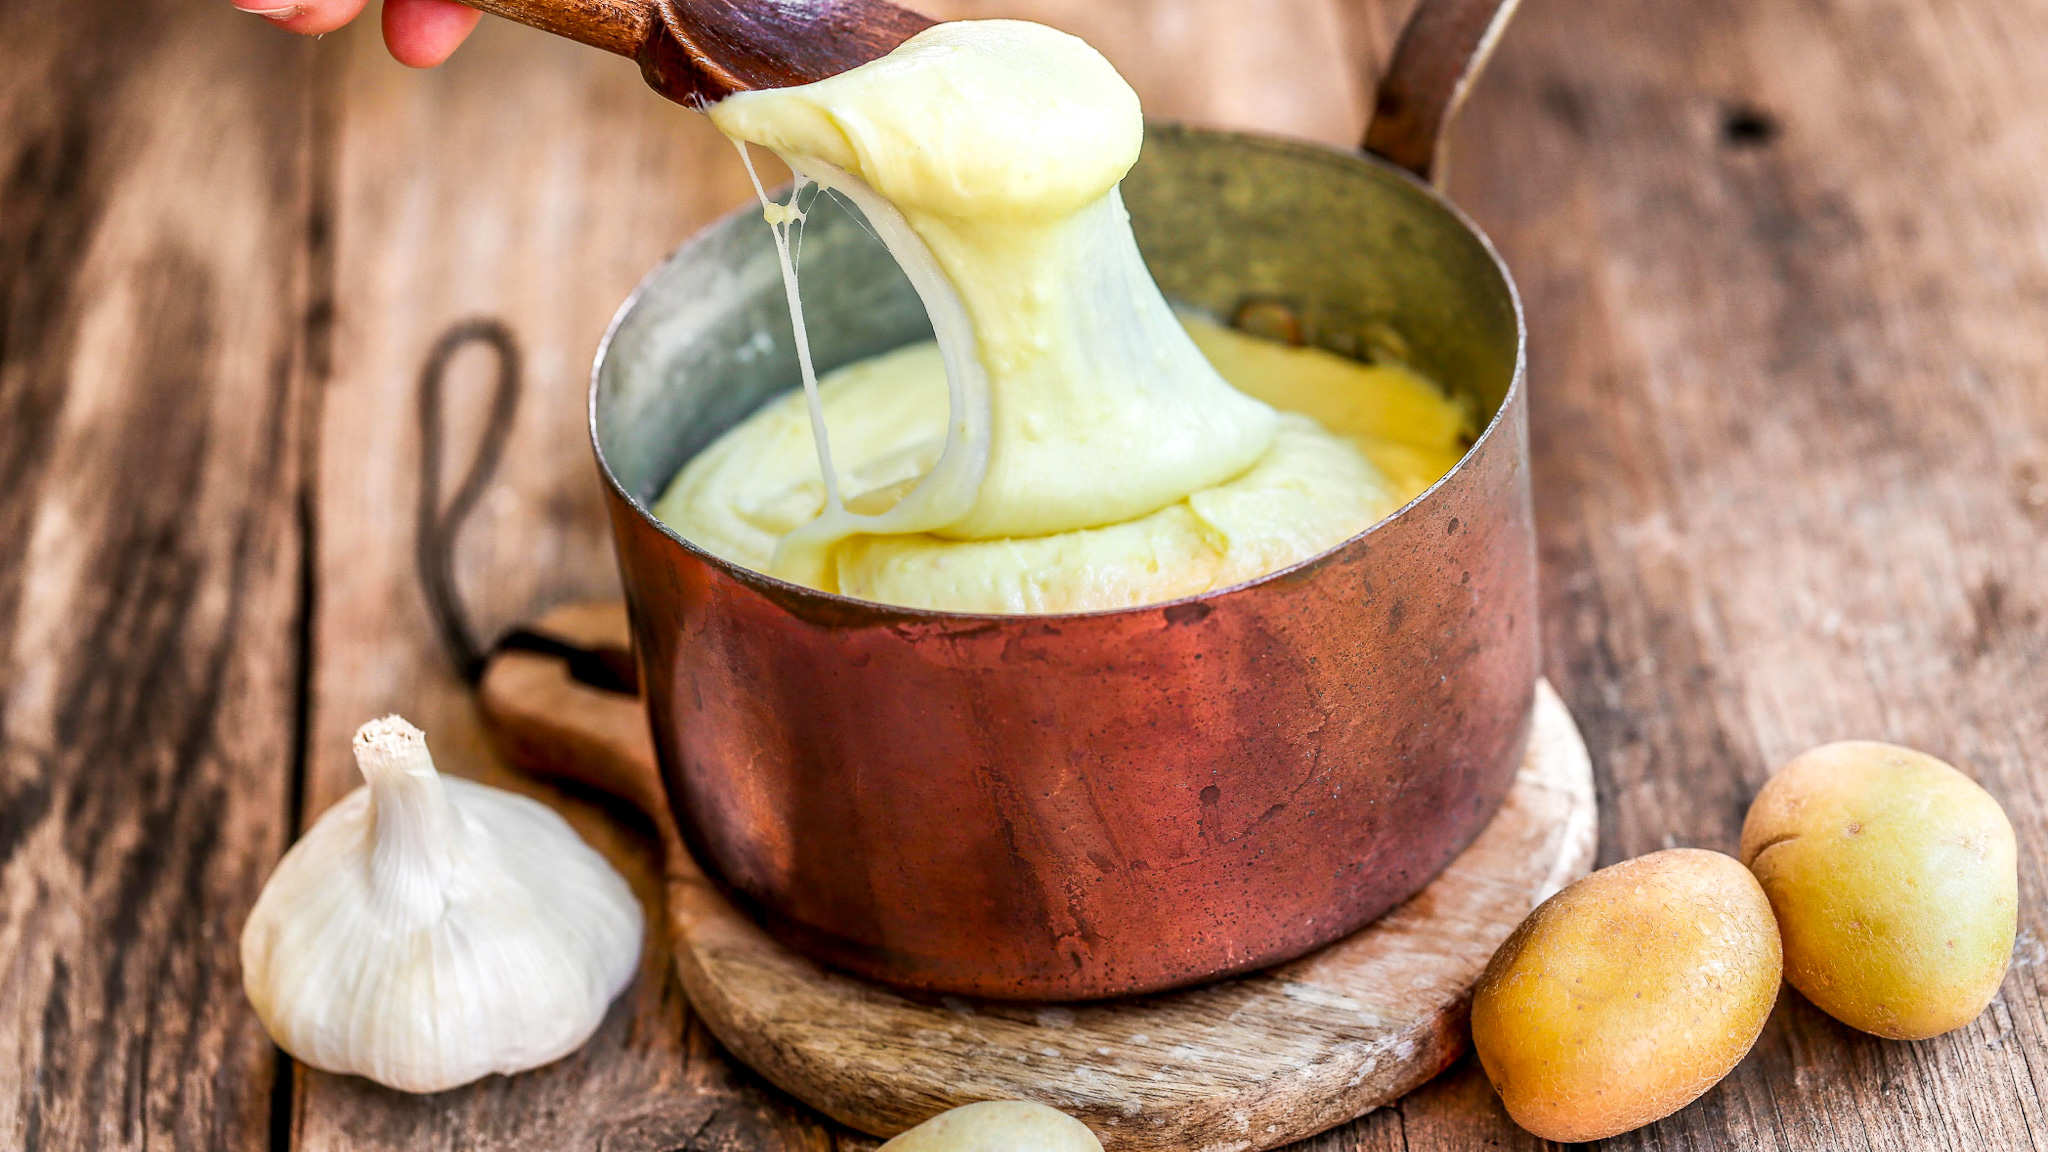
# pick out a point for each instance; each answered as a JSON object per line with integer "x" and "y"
{"x": 1066, "y": 445}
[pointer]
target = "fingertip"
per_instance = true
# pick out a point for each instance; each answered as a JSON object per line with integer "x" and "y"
{"x": 306, "y": 17}
{"x": 423, "y": 33}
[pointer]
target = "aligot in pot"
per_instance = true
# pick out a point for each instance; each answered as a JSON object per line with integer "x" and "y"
{"x": 1078, "y": 806}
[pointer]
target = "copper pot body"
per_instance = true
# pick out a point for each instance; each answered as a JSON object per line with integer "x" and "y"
{"x": 1080, "y": 806}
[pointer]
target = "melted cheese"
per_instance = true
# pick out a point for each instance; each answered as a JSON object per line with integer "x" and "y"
{"x": 1357, "y": 442}
{"x": 1065, "y": 445}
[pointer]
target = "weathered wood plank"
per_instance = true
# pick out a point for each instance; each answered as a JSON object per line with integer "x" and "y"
{"x": 1785, "y": 268}
{"x": 531, "y": 181}
{"x": 152, "y": 243}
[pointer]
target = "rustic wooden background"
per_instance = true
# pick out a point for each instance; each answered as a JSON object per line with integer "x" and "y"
{"x": 1786, "y": 265}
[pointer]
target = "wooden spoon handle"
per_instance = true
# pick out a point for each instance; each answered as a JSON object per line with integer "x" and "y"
{"x": 696, "y": 52}
{"x": 1440, "y": 54}
{"x": 619, "y": 26}
{"x": 548, "y": 722}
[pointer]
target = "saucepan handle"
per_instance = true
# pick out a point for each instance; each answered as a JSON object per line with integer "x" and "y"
{"x": 1440, "y": 54}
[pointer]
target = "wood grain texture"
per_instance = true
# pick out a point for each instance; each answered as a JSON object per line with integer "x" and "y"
{"x": 617, "y": 26}
{"x": 1249, "y": 1063}
{"x": 152, "y": 192}
{"x": 1785, "y": 263}
{"x": 479, "y": 190}
{"x": 706, "y": 50}
{"x": 1785, "y": 268}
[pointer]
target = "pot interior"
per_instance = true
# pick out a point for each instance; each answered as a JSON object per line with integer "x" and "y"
{"x": 1366, "y": 260}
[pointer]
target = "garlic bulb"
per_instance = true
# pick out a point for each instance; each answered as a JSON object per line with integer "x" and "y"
{"x": 428, "y": 931}
{"x": 998, "y": 1126}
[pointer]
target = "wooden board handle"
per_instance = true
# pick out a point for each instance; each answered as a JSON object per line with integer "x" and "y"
{"x": 548, "y": 721}
{"x": 1440, "y": 55}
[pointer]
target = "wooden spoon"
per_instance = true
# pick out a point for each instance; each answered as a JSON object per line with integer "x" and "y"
{"x": 698, "y": 52}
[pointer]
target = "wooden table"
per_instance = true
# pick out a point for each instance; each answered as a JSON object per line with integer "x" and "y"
{"x": 1786, "y": 265}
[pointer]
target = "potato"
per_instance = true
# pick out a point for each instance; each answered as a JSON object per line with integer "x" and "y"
{"x": 1895, "y": 883}
{"x": 1624, "y": 997}
{"x": 998, "y": 1126}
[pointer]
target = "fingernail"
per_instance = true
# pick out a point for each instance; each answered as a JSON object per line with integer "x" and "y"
{"x": 284, "y": 13}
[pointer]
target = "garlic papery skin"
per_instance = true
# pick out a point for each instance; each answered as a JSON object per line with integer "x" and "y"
{"x": 429, "y": 930}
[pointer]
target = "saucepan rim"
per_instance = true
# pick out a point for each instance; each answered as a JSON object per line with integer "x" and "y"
{"x": 883, "y": 613}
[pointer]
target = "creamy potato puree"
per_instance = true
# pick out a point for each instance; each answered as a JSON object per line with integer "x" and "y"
{"x": 1065, "y": 444}
{"x": 1356, "y": 442}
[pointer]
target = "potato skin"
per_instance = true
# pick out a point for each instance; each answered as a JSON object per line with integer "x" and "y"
{"x": 1896, "y": 885}
{"x": 1626, "y": 996}
{"x": 997, "y": 1126}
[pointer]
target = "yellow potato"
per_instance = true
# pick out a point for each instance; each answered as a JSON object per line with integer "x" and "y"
{"x": 1895, "y": 883}
{"x": 998, "y": 1126}
{"x": 1624, "y": 997}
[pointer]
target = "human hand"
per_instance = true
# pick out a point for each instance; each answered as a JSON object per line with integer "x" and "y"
{"x": 420, "y": 33}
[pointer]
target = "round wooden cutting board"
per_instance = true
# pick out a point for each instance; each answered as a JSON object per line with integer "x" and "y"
{"x": 1248, "y": 1063}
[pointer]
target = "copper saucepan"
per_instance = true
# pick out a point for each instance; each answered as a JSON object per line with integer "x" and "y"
{"x": 1077, "y": 806}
